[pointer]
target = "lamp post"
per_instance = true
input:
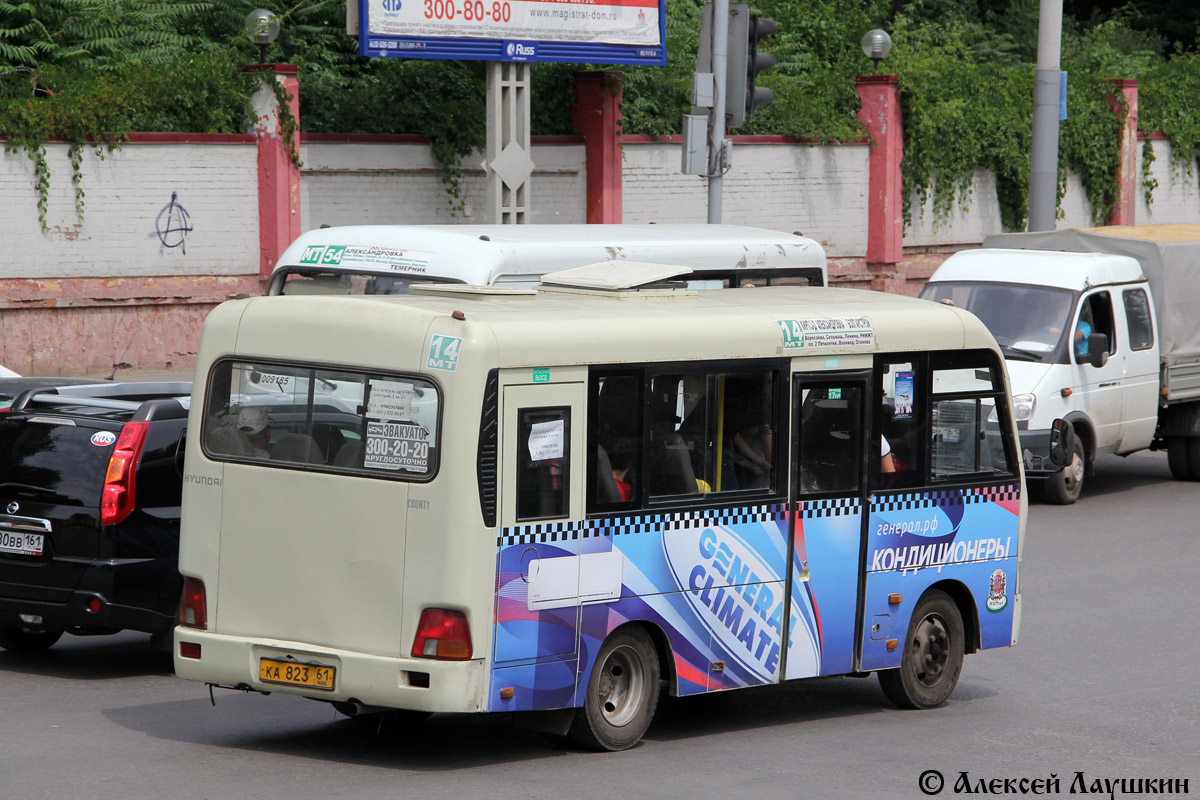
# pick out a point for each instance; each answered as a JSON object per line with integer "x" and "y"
{"x": 263, "y": 27}
{"x": 876, "y": 45}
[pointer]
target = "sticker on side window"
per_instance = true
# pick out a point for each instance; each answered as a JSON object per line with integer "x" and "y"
{"x": 390, "y": 400}
{"x": 393, "y": 446}
{"x": 546, "y": 440}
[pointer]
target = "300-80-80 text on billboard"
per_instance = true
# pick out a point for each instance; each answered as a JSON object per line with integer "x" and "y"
{"x": 571, "y": 31}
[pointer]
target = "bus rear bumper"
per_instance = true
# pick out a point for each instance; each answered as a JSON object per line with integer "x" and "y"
{"x": 407, "y": 683}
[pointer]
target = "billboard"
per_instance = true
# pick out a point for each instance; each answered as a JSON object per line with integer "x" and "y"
{"x": 572, "y": 31}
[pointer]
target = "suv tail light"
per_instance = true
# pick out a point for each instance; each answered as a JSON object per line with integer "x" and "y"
{"x": 193, "y": 607}
{"x": 117, "y": 499}
{"x": 442, "y": 634}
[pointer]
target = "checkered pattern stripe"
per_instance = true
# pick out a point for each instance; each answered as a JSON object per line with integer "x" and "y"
{"x": 945, "y": 497}
{"x": 841, "y": 506}
{"x": 543, "y": 533}
{"x": 550, "y": 532}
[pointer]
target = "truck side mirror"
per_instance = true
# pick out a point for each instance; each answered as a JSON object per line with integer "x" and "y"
{"x": 1097, "y": 354}
{"x": 1062, "y": 438}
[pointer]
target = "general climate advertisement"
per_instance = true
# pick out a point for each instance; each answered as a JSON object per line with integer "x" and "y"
{"x": 711, "y": 581}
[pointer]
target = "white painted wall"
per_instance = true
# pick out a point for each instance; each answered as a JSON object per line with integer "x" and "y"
{"x": 1177, "y": 196}
{"x": 383, "y": 183}
{"x": 126, "y": 193}
{"x": 820, "y": 191}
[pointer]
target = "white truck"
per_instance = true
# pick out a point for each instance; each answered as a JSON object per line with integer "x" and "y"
{"x": 1099, "y": 326}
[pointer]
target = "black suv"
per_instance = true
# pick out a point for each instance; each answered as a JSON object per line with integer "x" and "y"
{"x": 90, "y": 483}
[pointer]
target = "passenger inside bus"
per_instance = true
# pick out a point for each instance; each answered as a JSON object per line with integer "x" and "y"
{"x": 748, "y": 416}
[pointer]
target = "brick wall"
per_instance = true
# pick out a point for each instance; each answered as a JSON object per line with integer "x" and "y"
{"x": 131, "y": 282}
{"x": 131, "y": 227}
{"x": 774, "y": 183}
{"x": 388, "y": 180}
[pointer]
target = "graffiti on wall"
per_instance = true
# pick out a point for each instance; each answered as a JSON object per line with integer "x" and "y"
{"x": 173, "y": 225}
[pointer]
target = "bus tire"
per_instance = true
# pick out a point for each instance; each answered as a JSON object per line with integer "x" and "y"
{"x": 932, "y": 658}
{"x": 622, "y": 693}
{"x": 28, "y": 640}
{"x": 1063, "y": 488}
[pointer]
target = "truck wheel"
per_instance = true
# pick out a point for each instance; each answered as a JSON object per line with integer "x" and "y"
{"x": 1063, "y": 488}
{"x": 1183, "y": 456}
{"x": 932, "y": 657}
{"x": 28, "y": 640}
{"x": 622, "y": 693}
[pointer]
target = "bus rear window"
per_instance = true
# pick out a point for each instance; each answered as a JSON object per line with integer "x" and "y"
{"x": 310, "y": 281}
{"x": 294, "y": 416}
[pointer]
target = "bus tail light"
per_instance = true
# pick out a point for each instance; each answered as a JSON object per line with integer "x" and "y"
{"x": 442, "y": 634}
{"x": 193, "y": 608}
{"x": 117, "y": 499}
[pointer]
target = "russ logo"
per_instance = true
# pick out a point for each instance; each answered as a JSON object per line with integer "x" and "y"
{"x": 997, "y": 594}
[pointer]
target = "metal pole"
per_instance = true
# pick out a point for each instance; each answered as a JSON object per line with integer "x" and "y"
{"x": 716, "y": 127}
{"x": 1043, "y": 163}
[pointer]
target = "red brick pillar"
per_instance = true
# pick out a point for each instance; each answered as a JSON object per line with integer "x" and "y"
{"x": 1124, "y": 101}
{"x": 278, "y": 174}
{"x": 880, "y": 113}
{"x": 597, "y": 116}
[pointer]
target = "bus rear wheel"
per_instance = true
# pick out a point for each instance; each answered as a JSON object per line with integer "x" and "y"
{"x": 932, "y": 658}
{"x": 622, "y": 693}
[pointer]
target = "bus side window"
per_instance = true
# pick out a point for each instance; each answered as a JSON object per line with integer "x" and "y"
{"x": 830, "y": 436}
{"x": 543, "y": 463}
{"x": 615, "y": 440}
{"x": 969, "y": 432}
{"x": 899, "y": 440}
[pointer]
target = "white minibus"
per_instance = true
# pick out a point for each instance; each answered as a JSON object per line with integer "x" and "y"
{"x": 388, "y": 259}
{"x": 478, "y": 499}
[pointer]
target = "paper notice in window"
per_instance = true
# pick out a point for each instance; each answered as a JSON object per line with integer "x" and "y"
{"x": 546, "y": 440}
{"x": 390, "y": 400}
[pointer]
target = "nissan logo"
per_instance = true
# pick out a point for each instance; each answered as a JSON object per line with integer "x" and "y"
{"x": 14, "y": 507}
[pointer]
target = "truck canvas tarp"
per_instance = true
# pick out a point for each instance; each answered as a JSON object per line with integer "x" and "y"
{"x": 1170, "y": 258}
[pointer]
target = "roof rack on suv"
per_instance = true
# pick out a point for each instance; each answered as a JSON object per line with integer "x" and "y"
{"x": 113, "y": 396}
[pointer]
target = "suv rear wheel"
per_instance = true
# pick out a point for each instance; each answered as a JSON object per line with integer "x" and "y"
{"x": 28, "y": 640}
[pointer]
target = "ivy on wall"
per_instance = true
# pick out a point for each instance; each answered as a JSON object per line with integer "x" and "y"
{"x": 965, "y": 69}
{"x": 97, "y": 109}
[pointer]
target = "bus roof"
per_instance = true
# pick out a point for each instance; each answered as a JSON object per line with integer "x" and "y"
{"x": 519, "y": 253}
{"x": 576, "y": 326}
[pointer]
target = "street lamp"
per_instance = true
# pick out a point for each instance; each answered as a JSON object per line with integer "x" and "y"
{"x": 263, "y": 27}
{"x": 876, "y": 45}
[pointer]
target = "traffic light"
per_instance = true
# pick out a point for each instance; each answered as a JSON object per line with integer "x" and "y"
{"x": 745, "y": 62}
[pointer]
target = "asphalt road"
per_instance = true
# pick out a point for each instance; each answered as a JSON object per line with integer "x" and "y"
{"x": 1101, "y": 683}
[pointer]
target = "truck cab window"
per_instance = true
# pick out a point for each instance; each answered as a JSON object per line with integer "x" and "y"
{"x": 1137, "y": 318}
{"x": 1095, "y": 316}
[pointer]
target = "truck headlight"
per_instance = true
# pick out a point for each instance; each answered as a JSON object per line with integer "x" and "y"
{"x": 1023, "y": 406}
